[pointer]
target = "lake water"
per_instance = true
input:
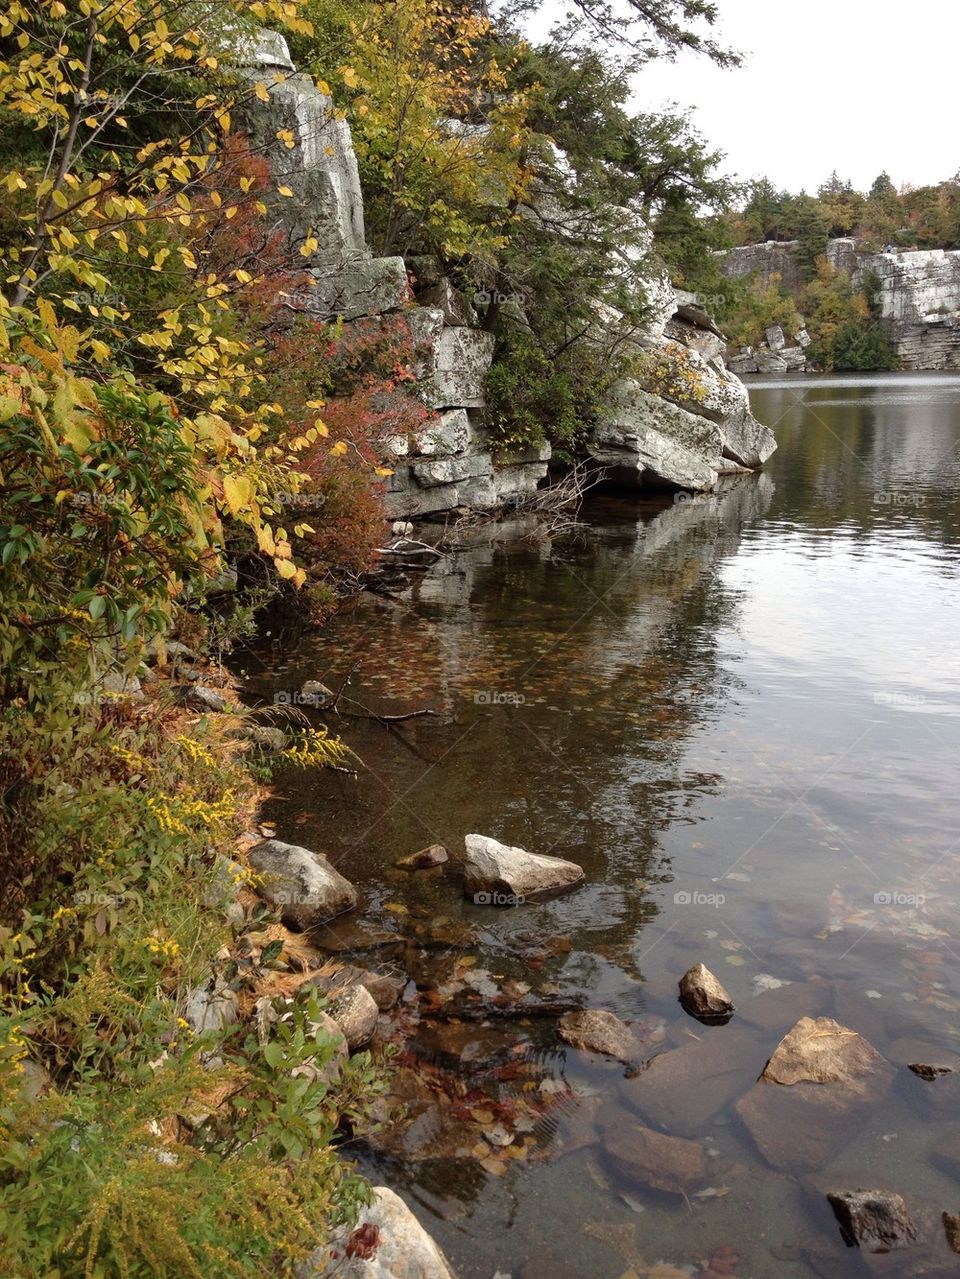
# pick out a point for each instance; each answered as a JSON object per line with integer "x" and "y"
{"x": 740, "y": 713}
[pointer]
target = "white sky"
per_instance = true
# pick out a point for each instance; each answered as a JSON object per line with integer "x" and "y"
{"x": 853, "y": 85}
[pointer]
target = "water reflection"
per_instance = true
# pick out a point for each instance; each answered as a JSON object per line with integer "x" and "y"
{"x": 739, "y": 714}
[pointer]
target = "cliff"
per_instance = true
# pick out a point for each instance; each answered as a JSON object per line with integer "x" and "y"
{"x": 917, "y": 298}
{"x": 697, "y": 427}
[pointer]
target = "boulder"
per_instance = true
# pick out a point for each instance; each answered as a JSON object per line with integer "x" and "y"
{"x": 497, "y": 875}
{"x": 775, "y": 338}
{"x": 325, "y": 1028}
{"x": 313, "y": 693}
{"x": 745, "y": 362}
{"x": 383, "y": 987}
{"x": 435, "y": 855}
{"x": 821, "y": 1051}
{"x": 388, "y": 1242}
{"x": 703, "y": 996}
{"x": 598, "y": 1031}
{"x": 813, "y": 1093}
{"x": 355, "y": 1011}
{"x": 648, "y": 1158}
{"x": 769, "y": 361}
{"x": 874, "y": 1220}
{"x": 745, "y": 439}
{"x": 301, "y": 883}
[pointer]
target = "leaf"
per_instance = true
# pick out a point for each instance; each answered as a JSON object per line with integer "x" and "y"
{"x": 271, "y": 951}
{"x": 273, "y": 1054}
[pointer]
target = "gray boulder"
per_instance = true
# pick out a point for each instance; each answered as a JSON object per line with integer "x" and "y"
{"x": 497, "y": 875}
{"x": 301, "y": 883}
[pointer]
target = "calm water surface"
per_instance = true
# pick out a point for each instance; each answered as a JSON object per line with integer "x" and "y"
{"x": 739, "y": 713}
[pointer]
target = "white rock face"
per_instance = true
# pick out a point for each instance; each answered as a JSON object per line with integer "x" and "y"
{"x": 388, "y": 1243}
{"x": 302, "y": 884}
{"x": 495, "y": 874}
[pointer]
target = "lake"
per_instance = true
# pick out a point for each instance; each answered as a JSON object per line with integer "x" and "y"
{"x": 740, "y": 713}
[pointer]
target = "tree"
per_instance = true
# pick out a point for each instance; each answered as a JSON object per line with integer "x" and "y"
{"x": 437, "y": 130}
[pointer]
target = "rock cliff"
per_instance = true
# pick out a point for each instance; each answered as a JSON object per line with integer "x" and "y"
{"x": 917, "y": 292}
{"x": 685, "y": 434}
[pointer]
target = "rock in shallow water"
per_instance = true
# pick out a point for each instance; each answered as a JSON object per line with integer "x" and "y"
{"x": 703, "y": 996}
{"x": 821, "y": 1051}
{"x": 435, "y": 855}
{"x": 874, "y": 1220}
{"x": 495, "y": 874}
{"x": 594, "y": 1030}
{"x": 815, "y": 1089}
{"x": 671, "y": 1164}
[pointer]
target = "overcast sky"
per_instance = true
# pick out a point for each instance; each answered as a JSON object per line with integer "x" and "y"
{"x": 855, "y": 85}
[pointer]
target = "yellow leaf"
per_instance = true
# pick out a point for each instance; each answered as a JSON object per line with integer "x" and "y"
{"x": 284, "y": 190}
{"x": 286, "y": 568}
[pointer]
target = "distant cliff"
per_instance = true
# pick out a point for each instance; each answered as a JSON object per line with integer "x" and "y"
{"x": 917, "y": 298}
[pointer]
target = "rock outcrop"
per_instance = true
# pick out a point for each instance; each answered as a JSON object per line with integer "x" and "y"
{"x": 650, "y": 434}
{"x": 917, "y": 297}
{"x": 449, "y": 464}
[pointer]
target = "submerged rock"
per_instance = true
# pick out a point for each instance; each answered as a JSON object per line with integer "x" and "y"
{"x": 388, "y": 1242}
{"x": 814, "y": 1090}
{"x": 435, "y": 855}
{"x": 497, "y": 875}
{"x": 951, "y": 1228}
{"x": 821, "y": 1051}
{"x": 929, "y": 1073}
{"x": 682, "y": 1090}
{"x": 671, "y": 1164}
{"x": 594, "y": 1030}
{"x": 703, "y": 996}
{"x": 874, "y": 1220}
{"x": 302, "y": 884}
